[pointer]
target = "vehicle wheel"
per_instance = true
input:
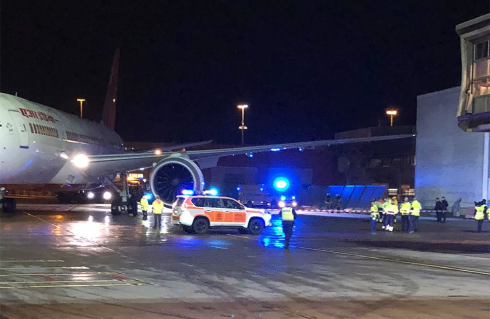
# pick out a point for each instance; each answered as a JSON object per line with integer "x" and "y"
{"x": 9, "y": 205}
{"x": 200, "y": 226}
{"x": 243, "y": 230}
{"x": 188, "y": 229}
{"x": 256, "y": 226}
{"x": 115, "y": 207}
{"x": 132, "y": 207}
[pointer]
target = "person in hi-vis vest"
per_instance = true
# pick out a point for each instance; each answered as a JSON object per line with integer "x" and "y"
{"x": 288, "y": 215}
{"x": 157, "y": 208}
{"x": 144, "y": 207}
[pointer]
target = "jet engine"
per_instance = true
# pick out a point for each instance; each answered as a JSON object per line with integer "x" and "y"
{"x": 174, "y": 174}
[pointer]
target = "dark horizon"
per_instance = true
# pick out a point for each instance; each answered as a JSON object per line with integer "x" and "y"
{"x": 307, "y": 70}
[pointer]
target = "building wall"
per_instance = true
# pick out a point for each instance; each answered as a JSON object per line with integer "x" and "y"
{"x": 449, "y": 162}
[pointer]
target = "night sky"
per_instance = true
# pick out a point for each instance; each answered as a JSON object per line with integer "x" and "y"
{"x": 307, "y": 69}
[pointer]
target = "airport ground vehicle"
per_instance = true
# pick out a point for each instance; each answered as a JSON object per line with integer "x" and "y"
{"x": 196, "y": 214}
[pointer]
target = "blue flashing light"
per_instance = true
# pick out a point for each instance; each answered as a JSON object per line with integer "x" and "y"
{"x": 281, "y": 184}
{"x": 294, "y": 197}
{"x": 283, "y": 197}
{"x": 238, "y": 188}
{"x": 211, "y": 192}
{"x": 188, "y": 192}
{"x": 261, "y": 189}
{"x": 148, "y": 196}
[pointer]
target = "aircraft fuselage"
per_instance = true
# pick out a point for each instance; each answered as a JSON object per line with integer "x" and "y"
{"x": 38, "y": 143}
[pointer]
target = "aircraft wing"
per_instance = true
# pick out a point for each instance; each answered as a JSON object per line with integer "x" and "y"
{"x": 173, "y": 147}
{"x": 104, "y": 165}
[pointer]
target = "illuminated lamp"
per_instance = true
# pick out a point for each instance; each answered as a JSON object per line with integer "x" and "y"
{"x": 211, "y": 192}
{"x": 281, "y": 184}
{"x": 281, "y": 204}
{"x": 80, "y": 161}
{"x": 107, "y": 195}
{"x": 90, "y": 195}
{"x": 187, "y": 192}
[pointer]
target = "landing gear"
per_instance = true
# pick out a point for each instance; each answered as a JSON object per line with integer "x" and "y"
{"x": 125, "y": 204}
{"x": 9, "y": 205}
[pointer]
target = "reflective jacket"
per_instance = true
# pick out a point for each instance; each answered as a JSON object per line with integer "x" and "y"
{"x": 287, "y": 214}
{"x": 480, "y": 212}
{"x": 391, "y": 209}
{"x": 374, "y": 212}
{"x": 416, "y": 207}
{"x": 144, "y": 204}
{"x": 405, "y": 208}
{"x": 157, "y": 207}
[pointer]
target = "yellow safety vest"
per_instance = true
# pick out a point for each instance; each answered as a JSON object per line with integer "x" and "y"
{"x": 391, "y": 209}
{"x": 157, "y": 207}
{"x": 144, "y": 204}
{"x": 416, "y": 207}
{"x": 405, "y": 208}
{"x": 374, "y": 212}
{"x": 287, "y": 214}
{"x": 479, "y": 212}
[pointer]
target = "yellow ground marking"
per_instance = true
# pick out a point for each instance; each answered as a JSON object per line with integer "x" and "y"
{"x": 72, "y": 286}
{"x": 71, "y": 274}
{"x": 32, "y": 261}
{"x": 401, "y": 261}
{"x": 3, "y": 283}
{"x": 394, "y": 260}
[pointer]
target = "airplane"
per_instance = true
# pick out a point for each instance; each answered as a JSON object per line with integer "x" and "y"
{"x": 44, "y": 148}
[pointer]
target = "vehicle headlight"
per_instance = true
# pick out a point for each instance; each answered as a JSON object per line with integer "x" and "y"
{"x": 294, "y": 204}
{"x": 90, "y": 195}
{"x": 107, "y": 195}
{"x": 281, "y": 204}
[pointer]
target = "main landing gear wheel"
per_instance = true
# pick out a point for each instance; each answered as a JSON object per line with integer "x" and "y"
{"x": 9, "y": 205}
{"x": 132, "y": 207}
{"x": 115, "y": 207}
{"x": 256, "y": 226}
{"x": 200, "y": 226}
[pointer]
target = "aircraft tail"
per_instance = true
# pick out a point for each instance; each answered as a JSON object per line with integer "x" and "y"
{"x": 109, "y": 113}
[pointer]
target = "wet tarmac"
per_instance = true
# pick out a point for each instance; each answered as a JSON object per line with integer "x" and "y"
{"x": 69, "y": 261}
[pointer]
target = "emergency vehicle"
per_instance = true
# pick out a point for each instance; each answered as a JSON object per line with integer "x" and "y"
{"x": 196, "y": 214}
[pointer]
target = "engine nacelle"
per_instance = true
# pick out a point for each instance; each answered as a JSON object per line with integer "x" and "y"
{"x": 174, "y": 174}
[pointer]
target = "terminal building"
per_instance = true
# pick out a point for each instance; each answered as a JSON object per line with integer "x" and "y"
{"x": 449, "y": 162}
{"x": 474, "y": 102}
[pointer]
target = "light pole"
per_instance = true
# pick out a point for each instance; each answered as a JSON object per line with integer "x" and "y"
{"x": 391, "y": 113}
{"x": 81, "y": 106}
{"x": 243, "y": 127}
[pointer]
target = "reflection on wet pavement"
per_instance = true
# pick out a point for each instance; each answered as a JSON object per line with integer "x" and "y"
{"x": 91, "y": 257}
